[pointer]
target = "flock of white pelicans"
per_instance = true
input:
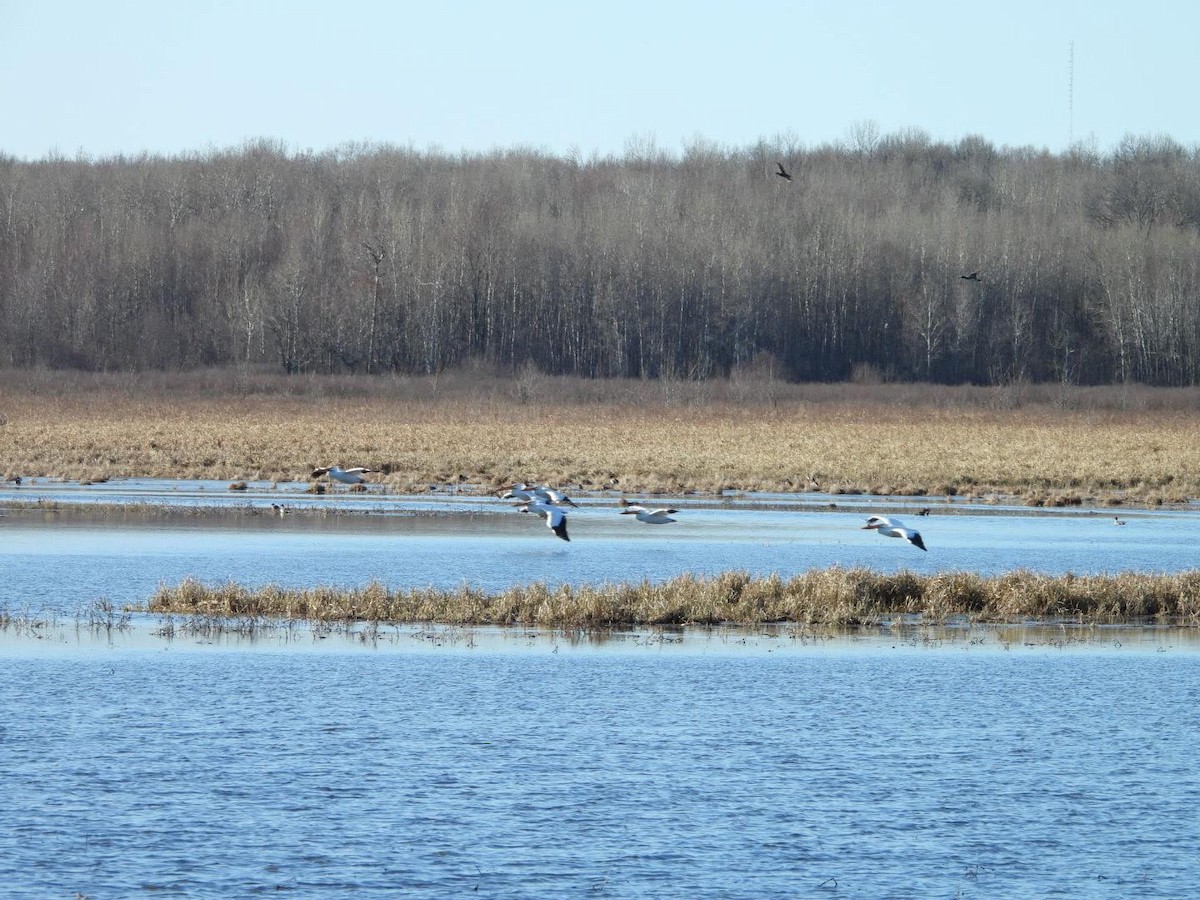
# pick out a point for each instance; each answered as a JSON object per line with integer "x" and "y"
{"x": 550, "y": 503}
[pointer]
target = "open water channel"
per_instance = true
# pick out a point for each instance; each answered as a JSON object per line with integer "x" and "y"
{"x": 1026, "y": 761}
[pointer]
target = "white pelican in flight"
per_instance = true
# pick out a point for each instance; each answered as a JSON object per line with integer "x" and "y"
{"x": 547, "y": 494}
{"x": 345, "y": 476}
{"x": 556, "y": 519}
{"x": 895, "y": 528}
{"x": 519, "y": 491}
{"x": 649, "y": 516}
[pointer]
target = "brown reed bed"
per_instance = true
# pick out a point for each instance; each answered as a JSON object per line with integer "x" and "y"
{"x": 1043, "y": 445}
{"x": 836, "y": 597}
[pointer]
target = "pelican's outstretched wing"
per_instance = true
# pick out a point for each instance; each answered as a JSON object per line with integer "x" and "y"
{"x": 556, "y": 518}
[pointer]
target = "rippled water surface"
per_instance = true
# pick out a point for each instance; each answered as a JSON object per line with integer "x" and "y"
{"x": 547, "y": 770}
{"x": 441, "y": 762}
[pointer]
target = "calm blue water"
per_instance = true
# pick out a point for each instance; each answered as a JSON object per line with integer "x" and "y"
{"x": 1003, "y": 763}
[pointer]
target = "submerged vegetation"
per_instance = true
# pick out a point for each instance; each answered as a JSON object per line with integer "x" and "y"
{"x": 827, "y": 597}
{"x": 1045, "y": 445}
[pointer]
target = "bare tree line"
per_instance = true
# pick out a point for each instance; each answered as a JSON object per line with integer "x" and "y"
{"x": 381, "y": 259}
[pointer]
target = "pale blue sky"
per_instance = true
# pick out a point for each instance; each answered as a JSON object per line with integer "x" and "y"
{"x": 122, "y": 76}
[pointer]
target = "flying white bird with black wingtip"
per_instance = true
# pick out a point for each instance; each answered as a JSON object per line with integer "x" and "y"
{"x": 547, "y": 494}
{"x": 649, "y": 516}
{"x": 519, "y": 491}
{"x": 345, "y": 476}
{"x": 895, "y": 528}
{"x": 556, "y": 518}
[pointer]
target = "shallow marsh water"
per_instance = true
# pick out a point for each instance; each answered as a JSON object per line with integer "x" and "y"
{"x": 61, "y": 559}
{"x": 441, "y": 762}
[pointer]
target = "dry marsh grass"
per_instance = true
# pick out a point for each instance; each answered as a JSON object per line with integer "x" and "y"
{"x": 1050, "y": 446}
{"x": 827, "y": 597}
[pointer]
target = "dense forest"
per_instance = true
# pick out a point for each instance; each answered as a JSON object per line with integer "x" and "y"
{"x": 374, "y": 259}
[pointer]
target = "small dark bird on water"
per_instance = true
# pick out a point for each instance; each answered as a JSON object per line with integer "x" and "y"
{"x": 923, "y": 511}
{"x": 974, "y": 276}
{"x": 783, "y": 173}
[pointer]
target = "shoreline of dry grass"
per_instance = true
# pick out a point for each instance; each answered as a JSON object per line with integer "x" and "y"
{"x": 1039, "y": 445}
{"x": 836, "y": 597}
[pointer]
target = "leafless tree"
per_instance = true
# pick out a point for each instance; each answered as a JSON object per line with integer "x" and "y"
{"x": 650, "y": 264}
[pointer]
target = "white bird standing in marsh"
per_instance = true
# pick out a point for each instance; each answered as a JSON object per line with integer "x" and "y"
{"x": 345, "y": 476}
{"x": 556, "y": 518}
{"x": 895, "y": 528}
{"x": 649, "y": 516}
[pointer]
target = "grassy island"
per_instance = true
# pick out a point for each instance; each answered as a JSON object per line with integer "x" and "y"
{"x": 829, "y": 597}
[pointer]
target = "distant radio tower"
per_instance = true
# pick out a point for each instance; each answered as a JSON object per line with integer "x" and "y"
{"x": 1071, "y": 94}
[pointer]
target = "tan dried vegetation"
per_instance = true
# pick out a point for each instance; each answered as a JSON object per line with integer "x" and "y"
{"x": 1046, "y": 445}
{"x": 827, "y": 597}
